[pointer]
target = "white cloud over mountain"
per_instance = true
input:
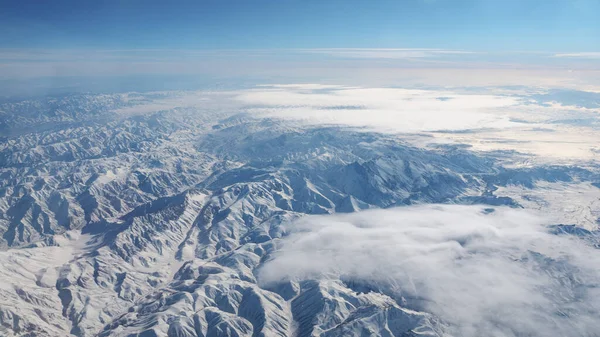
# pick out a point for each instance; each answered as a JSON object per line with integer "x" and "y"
{"x": 539, "y": 122}
{"x": 497, "y": 274}
{"x": 382, "y": 109}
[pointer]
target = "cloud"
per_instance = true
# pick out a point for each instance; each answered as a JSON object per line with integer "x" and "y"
{"x": 387, "y": 53}
{"x": 522, "y": 119}
{"x": 588, "y": 55}
{"x": 496, "y": 274}
{"x": 381, "y": 109}
{"x": 350, "y": 66}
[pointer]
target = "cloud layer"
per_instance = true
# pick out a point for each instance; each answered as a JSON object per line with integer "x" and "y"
{"x": 382, "y": 109}
{"x": 496, "y": 274}
{"x": 362, "y": 66}
{"x": 536, "y": 122}
{"x": 388, "y": 53}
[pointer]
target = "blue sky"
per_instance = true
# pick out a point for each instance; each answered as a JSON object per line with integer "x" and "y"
{"x": 178, "y": 44}
{"x": 482, "y": 25}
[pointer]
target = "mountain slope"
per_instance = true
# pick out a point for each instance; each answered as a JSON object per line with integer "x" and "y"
{"x": 156, "y": 224}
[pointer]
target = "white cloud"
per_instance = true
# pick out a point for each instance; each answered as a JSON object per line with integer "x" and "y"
{"x": 387, "y": 53}
{"x": 352, "y": 66}
{"x": 303, "y": 86}
{"x": 496, "y": 118}
{"x": 588, "y": 55}
{"x": 382, "y": 109}
{"x": 481, "y": 273}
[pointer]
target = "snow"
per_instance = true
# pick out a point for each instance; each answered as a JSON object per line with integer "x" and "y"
{"x": 563, "y": 203}
{"x": 155, "y": 213}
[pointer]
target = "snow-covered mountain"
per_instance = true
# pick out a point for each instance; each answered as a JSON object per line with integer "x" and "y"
{"x": 121, "y": 215}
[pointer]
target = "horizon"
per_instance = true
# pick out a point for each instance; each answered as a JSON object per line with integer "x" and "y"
{"x": 72, "y": 38}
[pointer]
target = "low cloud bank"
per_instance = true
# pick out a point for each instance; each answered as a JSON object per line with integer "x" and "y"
{"x": 382, "y": 109}
{"x": 484, "y": 274}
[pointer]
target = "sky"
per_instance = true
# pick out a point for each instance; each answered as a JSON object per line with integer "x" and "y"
{"x": 67, "y": 45}
{"x": 482, "y": 25}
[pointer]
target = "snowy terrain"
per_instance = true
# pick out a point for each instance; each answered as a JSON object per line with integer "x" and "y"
{"x": 300, "y": 210}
